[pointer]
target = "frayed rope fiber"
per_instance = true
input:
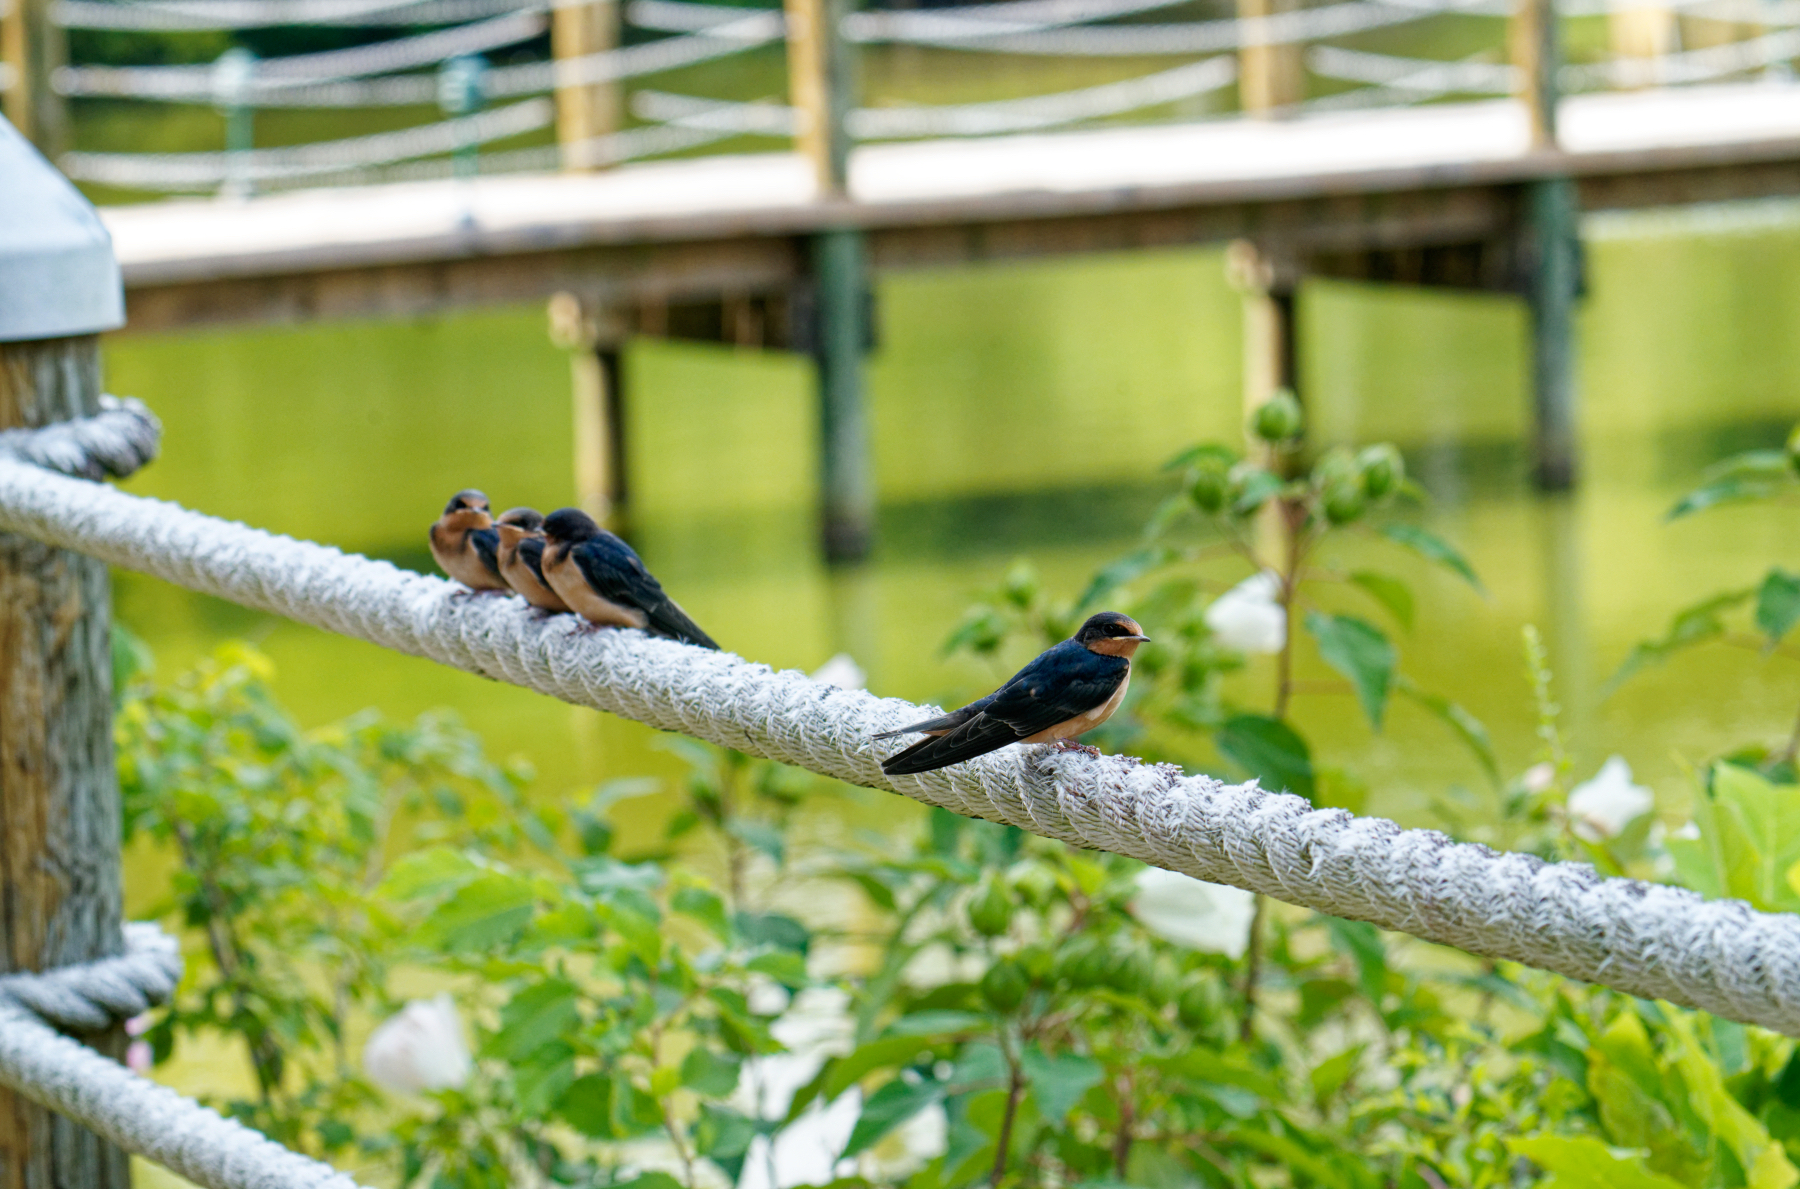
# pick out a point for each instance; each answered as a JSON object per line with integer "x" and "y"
{"x": 1646, "y": 939}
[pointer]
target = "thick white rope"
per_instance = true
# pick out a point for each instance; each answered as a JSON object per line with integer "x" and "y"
{"x": 1645, "y": 939}
{"x": 114, "y": 442}
{"x": 142, "y": 16}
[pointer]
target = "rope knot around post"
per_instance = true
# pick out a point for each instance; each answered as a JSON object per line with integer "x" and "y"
{"x": 112, "y": 444}
{"x": 93, "y": 995}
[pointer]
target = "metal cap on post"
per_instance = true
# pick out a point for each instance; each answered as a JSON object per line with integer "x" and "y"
{"x": 60, "y": 901}
{"x": 58, "y": 276}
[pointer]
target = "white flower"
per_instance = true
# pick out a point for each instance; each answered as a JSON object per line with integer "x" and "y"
{"x": 766, "y": 997}
{"x": 841, "y": 671}
{"x": 1602, "y": 807}
{"x": 1686, "y": 832}
{"x": 807, "y": 1151}
{"x": 1248, "y": 618}
{"x": 906, "y": 1149}
{"x": 420, "y": 1049}
{"x": 1191, "y": 912}
{"x": 1539, "y": 777}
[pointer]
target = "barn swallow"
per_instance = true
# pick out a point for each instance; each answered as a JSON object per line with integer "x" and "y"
{"x": 465, "y": 544}
{"x": 1072, "y": 688}
{"x": 522, "y": 557}
{"x": 602, "y": 579}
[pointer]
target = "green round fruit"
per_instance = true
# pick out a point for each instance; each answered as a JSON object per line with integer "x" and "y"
{"x": 1196, "y": 1008}
{"x": 1036, "y": 961}
{"x": 1208, "y": 489}
{"x": 1005, "y": 985}
{"x": 991, "y": 911}
{"x": 1278, "y": 419}
{"x": 1382, "y": 470}
{"x": 1343, "y": 502}
{"x": 1128, "y": 972}
{"x": 1081, "y": 963}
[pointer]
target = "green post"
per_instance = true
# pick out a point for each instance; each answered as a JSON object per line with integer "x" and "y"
{"x": 1553, "y": 216}
{"x": 847, "y": 511}
{"x": 234, "y": 79}
{"x": 822, "y": 85}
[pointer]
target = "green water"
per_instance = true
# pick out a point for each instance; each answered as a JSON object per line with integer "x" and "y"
{"x": 1022, "y": 411}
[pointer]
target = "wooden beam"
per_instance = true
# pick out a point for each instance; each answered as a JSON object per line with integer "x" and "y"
{"x": 60, "y": 891}
{"x": 1534, "y": 46}
{"x": 1271, "y": 78}
{"x": 594, "y": 336}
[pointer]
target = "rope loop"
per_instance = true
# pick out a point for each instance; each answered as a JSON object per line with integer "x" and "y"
{"x": 113, "y": 443}
{"x": 90, "y": 996}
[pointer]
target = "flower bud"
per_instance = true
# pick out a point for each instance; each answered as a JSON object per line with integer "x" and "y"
{"x": 991, "y": 911}
{"x": 1343, "y": 502}
{"x": 1382, "y": 470}
{"x": 1208, "y": 489}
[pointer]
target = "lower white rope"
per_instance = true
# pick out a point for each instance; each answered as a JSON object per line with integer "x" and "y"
{"x": 138, "y": 1115}
{"x": 1645, "y": 939}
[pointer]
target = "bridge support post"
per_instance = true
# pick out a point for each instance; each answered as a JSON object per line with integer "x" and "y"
{"x": 60, "y": 890}
{"x": 1271, "y": 77}
{"x": 31, "y": 48}
{"x": 594, "y": 336}
{"x": 1269, "y": 283}
{"x": 585, "y": 111}
{"x": 1553, "y": 285}
{"x": 822, "y": 87}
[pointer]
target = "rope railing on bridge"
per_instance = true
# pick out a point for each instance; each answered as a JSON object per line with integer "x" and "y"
{"x": 1649, "y": 940}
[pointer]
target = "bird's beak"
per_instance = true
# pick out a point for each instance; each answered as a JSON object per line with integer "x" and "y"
{"x": 1139, "y": 639}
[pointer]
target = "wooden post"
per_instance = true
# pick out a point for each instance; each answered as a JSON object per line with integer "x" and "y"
{"x": 585, "y": 111}
{"x": 1644, "y": 31}
{"x": 1271, "y": 78}
{"x": 31, "y": 48}
{"x": 1535, "y": 48}
{"x": 60, "y": 899}
{"x": 1553, "y": 280}
{"x": 1268, "y": 285}
{"x": 822, "y": 88}
{"x": 1552, "y": 252}
{"x": 593, "y": 336}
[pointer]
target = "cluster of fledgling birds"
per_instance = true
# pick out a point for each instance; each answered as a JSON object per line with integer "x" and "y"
{"x": 566, "y": 562}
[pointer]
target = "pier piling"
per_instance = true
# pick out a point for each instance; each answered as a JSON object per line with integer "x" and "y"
{"x": 585, "y": 109}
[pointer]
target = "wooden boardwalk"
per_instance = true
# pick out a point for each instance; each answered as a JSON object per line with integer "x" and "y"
{"x": 1428, "y": 194}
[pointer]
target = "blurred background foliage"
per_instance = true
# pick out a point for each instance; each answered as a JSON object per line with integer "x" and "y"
{"x": 431, "y": 977}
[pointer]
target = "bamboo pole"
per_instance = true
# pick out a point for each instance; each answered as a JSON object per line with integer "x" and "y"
{"x": 593, "y": 337}
{"x": 1267, "y": 286}
{"x": 60, "y": 895}
{"x": 585, "y": 111}
{"x": 31, "y": 48}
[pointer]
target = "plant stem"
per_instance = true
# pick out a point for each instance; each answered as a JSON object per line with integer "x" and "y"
{"x": 1122, "y": 1141}
{"x": 1014, "y": 1092}
{"x": 1252, "y": 968}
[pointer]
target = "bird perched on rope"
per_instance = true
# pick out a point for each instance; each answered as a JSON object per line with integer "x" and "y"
{"x": 1071, "y": 689}
{"x": 522, "y": 557}
{"x": 605, "y": 582}
{"x": 465, "y": 543}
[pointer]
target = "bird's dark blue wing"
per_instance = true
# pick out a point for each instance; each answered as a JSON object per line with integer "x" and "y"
{"x": 531, "y": 552}
{"x": 1064, "y": 682}
{"x": 616, "y": 572}
{"x": 486, "y": 542}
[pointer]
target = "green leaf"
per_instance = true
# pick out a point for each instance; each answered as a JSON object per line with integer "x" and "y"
{"x": 1432, "y": 548}
{"x": 1765, "y": 1164}
{"x": 760, "y": 836}
{"x": 1584, "y": 1162}
{"x": 1750, "y": 833}
{"x": 1361, "y": 941}
{"x": 773, "y": 928}
{"x": 1690, "y": 626}
{"x": 889, "y": 1107}
{"x": 587, "y": 1106}
{"x": 1269, "y": 750}
{"x": 1467, "y": 727}
{"x": 1755, "y": 474}
{"x": 1059, "y": 1081}
{"x": 840, "y": 1074}
{"x": 1205, "y": 451}
{"x": 482, "y": 914}
{"x": 1390, "y": 592}
{"x": 542, "y": 1081}
{"x": 1358, "y": 650}
{"x": 704, "y": 907}
{"x": 1127, "y": 569}
{"x": 710, "y": 1073}
{"x": 784, "y": 966}
{"x": 937, "y": 1023}
{"x": 535, "y": 1016}
{"x": 1259, "y": 488}
{"x": 1778, "y": 604}
{"x": 428, "y": 873}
